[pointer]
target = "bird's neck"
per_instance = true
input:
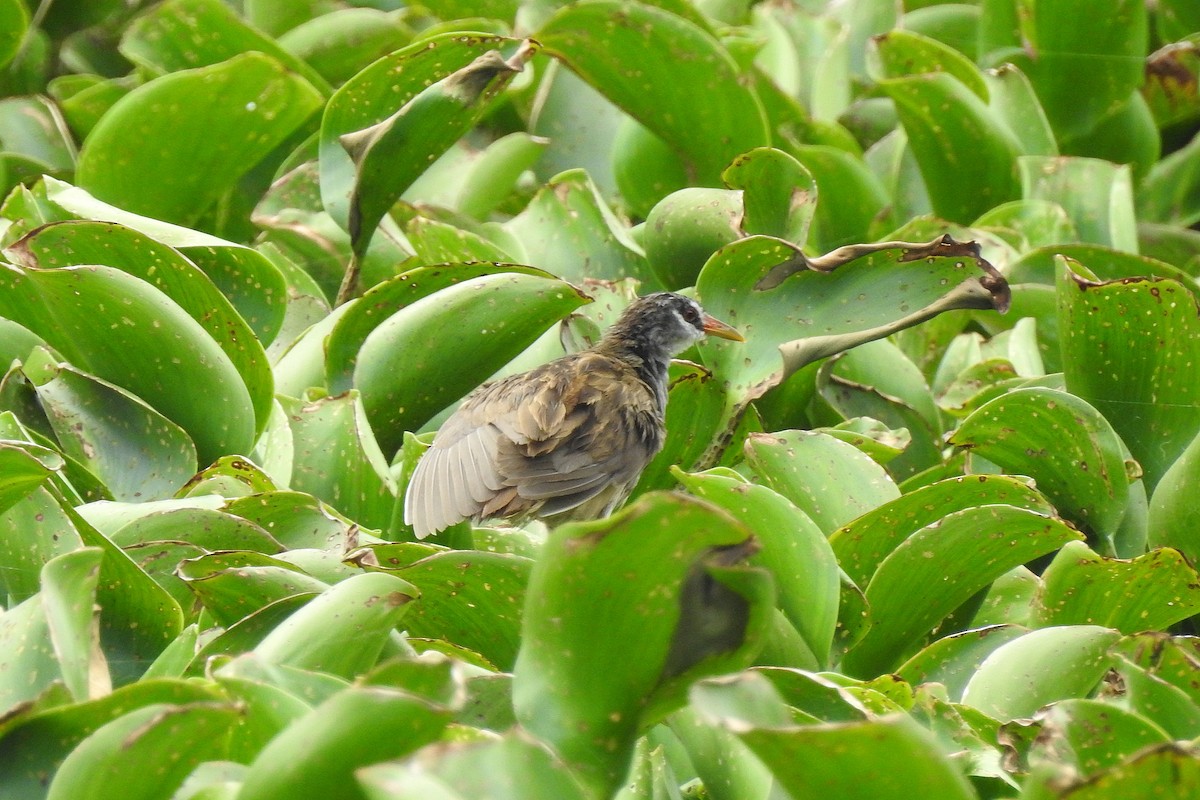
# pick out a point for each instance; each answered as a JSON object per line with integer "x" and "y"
{"x": 650, "y": 366}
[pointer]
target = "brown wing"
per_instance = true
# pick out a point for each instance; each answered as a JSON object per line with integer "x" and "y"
{"x": 543, "y": 442}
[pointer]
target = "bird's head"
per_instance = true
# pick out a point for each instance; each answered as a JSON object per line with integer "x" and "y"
{"x": 665, "y": 324}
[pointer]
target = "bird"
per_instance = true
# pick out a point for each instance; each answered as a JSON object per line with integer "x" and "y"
{"x": 566, "y": 440}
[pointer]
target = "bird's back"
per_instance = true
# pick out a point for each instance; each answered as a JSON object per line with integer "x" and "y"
{"x": 569, "y": 436}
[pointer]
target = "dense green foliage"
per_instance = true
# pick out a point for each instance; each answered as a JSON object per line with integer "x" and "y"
{"x": 928, "y": 532}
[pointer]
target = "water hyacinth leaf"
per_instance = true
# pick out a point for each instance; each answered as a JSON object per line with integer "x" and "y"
{"x": 233, "y": 585}
{"x": 966, "y": 156}
{"x": 1083, "y": 58}
{"x": 1039, "y": 265}
{"x": 359, "y": 319}
{"x": 901, "y": 53}
{"x": 36, "y": 140}
{"x": 695, "y": 404}
{"x": 1131, "y": 348}
{"x": 320, "y": 752}
{"x": 512, "y": 767}
{"x": 1173, "y": 515}
{"x": 939, "y": 568}
{"x": 793, "y": 548}
{"x": 1091, "y": 735}
{"x": 805, "y": 467}
{"x": 23, "y": 468}
{"x": 119, "y": 750}
{"x": 688, "y": 609}
{"x": 1148, "y": 593}
{"x": 569, "y": 230}
{"x": 1097, "y": 196}
{"x": 36, "y": 743}
{"x": 33, "y": 530}
{"x": 1170, "y": 100}
{"x": 474, "y": 181}
{"x": 295, "y": 519}
{"x": 877, "y": 380}
{"x": 159, "y": 353}
{"x": 686, "y": 227}
{"x": 376, "y": 92}
{"x": 198, "y": 130}
{"x": 624, "y": 50}
{"x": 1170, "y": 703}
{"x": 406, "y": 376}
{"x": 138, "y": 617}
{"x": 337, "y": 459}
{"x": 436, "y": 242}
{"x": 851, "y": 197}
{"x": 779, "y": 193}
{"x": 862, "y": 544}
{"x": 166, "y": 269}
{"x": 49, "y": 637}
{"x": 1040, "y": 667}
{"x": 137, "y": 453}
{"x": 473, "y": 599}
{"x": 1064, "y": 444}
{"x": 14, "y": 19}
{"x": 892, "y": 757}
{"x": 185, "y": 34}
{"x": 248, "y": 279}
{"x": 203, "y": 527}
{"x": 389, "y": 155}
{"x": 1171, "y": 192}
{"x": 952, "y": 660}
{"x": 341, "y": 43}
{"x": 343, "y": 631}
{"x": 774, "y": 295}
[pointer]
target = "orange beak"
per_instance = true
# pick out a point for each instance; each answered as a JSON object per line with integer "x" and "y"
{"x": 714, "y": 327}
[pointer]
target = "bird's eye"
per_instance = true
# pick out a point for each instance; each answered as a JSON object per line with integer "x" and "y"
{"x": 691, "y": 314}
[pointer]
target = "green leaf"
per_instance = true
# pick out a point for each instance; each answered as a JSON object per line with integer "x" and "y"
{"x": 472, "y": 599}
{"x": 87, "y": 242}
{"x": 686, "y": 227}
{"x": 831, "y": 481}
{"x": 966, "y": 157}
{"x": 952, "y": 660}
{"x": 569, "y": 230}
{"x": 1040, "y": 667}
{"x": 1097, "y": 195}
{"x": 344, "y": 41}
{"x": 197, "y": 131}
{"x": 406, "y": 375}
{"x": 939, "y": 568}
{"x": 376, "y": 92}
{"x": 184, "y": 34}
{"x": 1064, "y": 444}
{"x": 337, "y": 459}
{"x": 1116, "y": 356}
{"x": 1171, "y": 192}
{"x": 1174, "y": 516}
{"x": 251, "y": 282}
{"x": 33, "y": 530}
{"x": 863, "y": 543}
{"x": 850, "y": 197}
{"x": 1084, "y": 58}
{"x": 779, "y": 194}
{"x": 343, "y": 631}
{"x": 793, "y": 548}
{"x": 511, "y": 767}
{"x": 14, "y": 19}
{"x": 889, "y": 758}
{"x": 36, "y": 743}
{"x": 156, "y": 351}
{"x": 1148, "y": 593}
{"x": 595, "y": 665}
{"x": 232, "y": 586}
{"x": 1091, "y": 736}
{"x": 632, "y": 52}
{"x": 318, "y": 754}
{"x": 23, "y": 468}
{"x": 137, "y": 453}
{"x": 901, "y": 53}
{"x": 174, "y": 738}
{"x": 389, "y": 155}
